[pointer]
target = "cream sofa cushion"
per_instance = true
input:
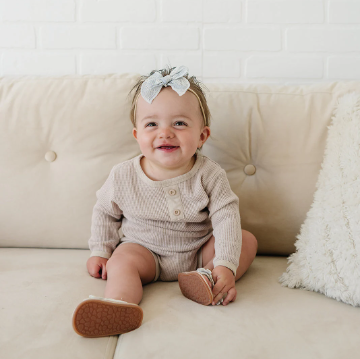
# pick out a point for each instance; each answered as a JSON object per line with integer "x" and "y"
{"x": 60, "y": 137}
{"x": 43, "y": 287}
{"x": 40, "y": 289}
{"x": 266, "y": 321}
{"x": 327, "y": 259}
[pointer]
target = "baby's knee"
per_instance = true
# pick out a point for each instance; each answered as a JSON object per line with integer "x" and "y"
{"x": 119, "y": 261}
{"x": 127, "y": 256}
{"x": 254, "y": 242}
{"x": 251, "y": 241}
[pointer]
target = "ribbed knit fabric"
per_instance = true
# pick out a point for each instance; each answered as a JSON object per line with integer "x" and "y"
{"x": 171, "y": 216}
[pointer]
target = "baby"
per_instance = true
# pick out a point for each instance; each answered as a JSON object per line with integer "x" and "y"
{"x": 179, "y": 217}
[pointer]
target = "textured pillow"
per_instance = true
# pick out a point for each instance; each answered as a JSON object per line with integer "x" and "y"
{"x": 327, "y": 257}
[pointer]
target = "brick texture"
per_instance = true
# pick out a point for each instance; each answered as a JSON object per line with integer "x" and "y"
{"x": 277, "y": 41}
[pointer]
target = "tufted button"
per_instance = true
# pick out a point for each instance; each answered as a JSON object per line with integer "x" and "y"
{"x": 50, "y": 156}
{"x": 177, "y": 212}
{"x": 250, "y": 170}
{"x": 172, "y": 192}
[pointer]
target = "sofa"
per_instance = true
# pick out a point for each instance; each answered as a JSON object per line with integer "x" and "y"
{"x": 59, "y": 138}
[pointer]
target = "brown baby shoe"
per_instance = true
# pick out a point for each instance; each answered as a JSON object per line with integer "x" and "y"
{"x": 197, "y": 286}
{"x": 102, "y": 317}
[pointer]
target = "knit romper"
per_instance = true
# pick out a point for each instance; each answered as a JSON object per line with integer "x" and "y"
{"x": 172, "y": 218}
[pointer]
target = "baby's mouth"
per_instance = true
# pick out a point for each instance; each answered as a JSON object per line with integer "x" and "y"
{"x": 168, "y": 148}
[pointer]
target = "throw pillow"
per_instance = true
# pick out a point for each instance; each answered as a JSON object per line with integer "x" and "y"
{"x": 327, "y": 257}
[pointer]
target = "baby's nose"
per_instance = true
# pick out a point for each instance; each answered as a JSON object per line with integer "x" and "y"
{"x": 166, "y": 132}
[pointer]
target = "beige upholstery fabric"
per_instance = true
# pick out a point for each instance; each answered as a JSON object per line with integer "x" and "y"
{"x": 43, "y": 286}
{"x": 279, "y": 132}
{"x": 85, "y": 122}
{"x": 60, "y": 137}
{"x": 40, "y": 289}
{"x": 266, "y": 321}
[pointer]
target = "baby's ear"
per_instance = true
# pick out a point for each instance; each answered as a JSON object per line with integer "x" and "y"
{"x": 134, "y": 132}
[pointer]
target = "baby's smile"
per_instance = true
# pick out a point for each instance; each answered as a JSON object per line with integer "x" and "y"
{"x": 167, "y": 148}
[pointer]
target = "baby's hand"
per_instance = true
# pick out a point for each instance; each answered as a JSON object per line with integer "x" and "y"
{"x": 96, "y": 267}
{"x": 224, "y": 283}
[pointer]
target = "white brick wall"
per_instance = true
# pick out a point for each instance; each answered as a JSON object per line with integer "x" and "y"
{"x": 275, "y": 41}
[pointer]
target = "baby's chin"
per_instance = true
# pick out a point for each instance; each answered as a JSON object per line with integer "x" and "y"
{"x": 170, "y": 160}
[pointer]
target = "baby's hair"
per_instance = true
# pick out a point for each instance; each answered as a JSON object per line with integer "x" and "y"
{"x": 195, "y": 85}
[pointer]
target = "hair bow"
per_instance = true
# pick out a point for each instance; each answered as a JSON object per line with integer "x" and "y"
{"x": 154, "y": 83}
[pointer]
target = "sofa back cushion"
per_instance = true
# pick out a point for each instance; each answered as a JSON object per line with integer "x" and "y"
{"x": 60, "y": 137}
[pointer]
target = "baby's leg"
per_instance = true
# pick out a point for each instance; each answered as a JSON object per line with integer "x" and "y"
{"x": 247, "y": 255}
{"x": 192, "y": 285}
{"x": 130, "y": 266}
{"x": 128, "y": 269}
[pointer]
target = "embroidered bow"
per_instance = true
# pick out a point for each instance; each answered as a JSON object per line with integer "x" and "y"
{"x": 153, "y": 84}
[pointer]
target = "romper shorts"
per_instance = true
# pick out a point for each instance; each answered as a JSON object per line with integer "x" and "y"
{"x": 169, "y": 266}
{"x": 166, "y": 271}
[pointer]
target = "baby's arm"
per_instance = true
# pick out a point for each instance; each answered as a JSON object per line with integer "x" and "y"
{"x": 105, "y": 224}
{"x": 224, "y": 214}
{"x": 225, "y": 217}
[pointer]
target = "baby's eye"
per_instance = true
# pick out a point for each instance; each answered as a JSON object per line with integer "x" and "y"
{"x": 150, "y": 123}
{"x": 181, "y": 122}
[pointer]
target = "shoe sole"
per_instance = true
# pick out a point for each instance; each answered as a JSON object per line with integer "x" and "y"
{"x": 94, "y": 318}
{"x": 193, "y": 286}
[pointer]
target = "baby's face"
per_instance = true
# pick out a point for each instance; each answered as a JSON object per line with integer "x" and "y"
{"x": 170, "y": 120}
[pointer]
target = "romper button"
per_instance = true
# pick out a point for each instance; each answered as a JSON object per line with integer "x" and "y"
{"x": 177, "y": 212}
{"x": 172, "y": 192}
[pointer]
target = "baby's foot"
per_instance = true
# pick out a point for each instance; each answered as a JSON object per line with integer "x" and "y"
{"x": 101, "y": 317}
{"x": 197, "y": 285}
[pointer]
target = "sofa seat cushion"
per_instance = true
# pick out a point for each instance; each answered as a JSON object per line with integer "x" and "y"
{"x": 265, "y": 321}
{"x": 40, "y": 289}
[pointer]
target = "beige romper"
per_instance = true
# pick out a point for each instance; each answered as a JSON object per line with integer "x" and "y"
{"x": 172, "y": 218}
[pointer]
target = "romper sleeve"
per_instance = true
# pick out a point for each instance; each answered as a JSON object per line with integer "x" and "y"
{"x": 106, "y": 221}
{"x": 224, "y": 214}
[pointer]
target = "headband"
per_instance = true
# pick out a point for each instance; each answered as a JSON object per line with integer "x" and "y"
{"x": 154, "y": 83}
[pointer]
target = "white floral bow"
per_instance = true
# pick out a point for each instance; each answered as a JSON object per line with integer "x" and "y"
{"x": 153, "y": 84}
